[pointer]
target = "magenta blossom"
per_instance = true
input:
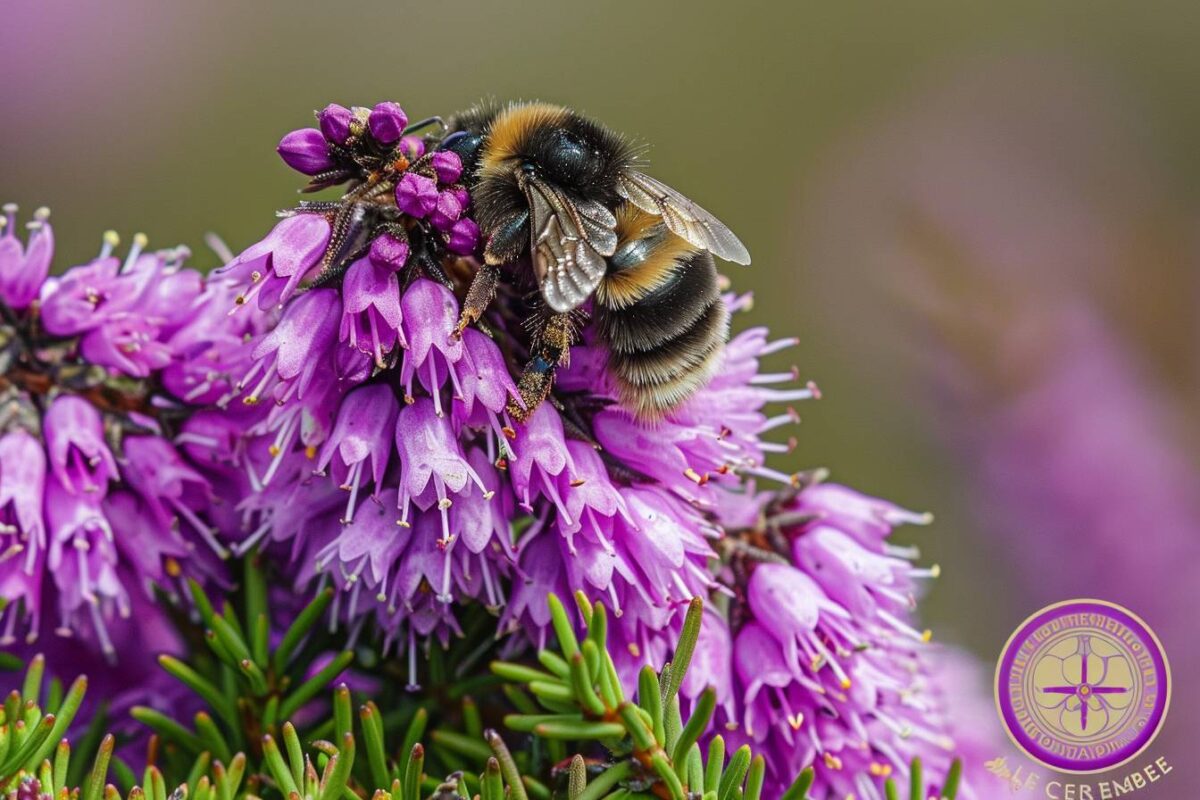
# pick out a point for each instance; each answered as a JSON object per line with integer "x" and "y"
{"x": 98, "y": 505}
{"x": 388, "y": 467}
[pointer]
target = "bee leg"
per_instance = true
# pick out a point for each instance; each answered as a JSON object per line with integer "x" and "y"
{"x": 509, "y": 241}
{"x": 551, "y": 348}
{"x": 349, "y": 228}
{"x": 479, "y": 296}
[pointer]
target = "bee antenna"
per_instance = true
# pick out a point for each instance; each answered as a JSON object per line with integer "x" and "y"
{"x": 425, "y": 123}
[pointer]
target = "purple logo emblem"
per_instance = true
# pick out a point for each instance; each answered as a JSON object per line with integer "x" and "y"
{"x": 1083, "y": 686}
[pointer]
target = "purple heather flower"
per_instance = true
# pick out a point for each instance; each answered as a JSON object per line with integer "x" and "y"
{"x": 334, "y": 121}
{"x": 24, "y": 267}
{"x": 86, "y": 297}
{"x": 827, "y": 667}
{"x": 386, "y": 122}
{"x": 361, "y": 442}
{"x": 371, "y": 314}
{"x": 289, "y": 357}
{"x": 274, "y": 268}
{"x": 416, "y": 195}
{"x": 22, "y": 479}
{"x": 432, "y": 466}
{"x": 130, "y": 344}
{"x": 306, "y": 151}
{"x": 79, "y": 457}
{"x": 432, "y": 352}
{"x": 98, "y": 506}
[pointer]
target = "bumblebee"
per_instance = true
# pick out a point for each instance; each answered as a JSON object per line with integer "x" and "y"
{"x": 564, "y": 195}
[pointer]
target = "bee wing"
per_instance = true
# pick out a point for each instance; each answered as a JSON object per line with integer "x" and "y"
{"x": 570, "y": 242}
{"x": 683, "y": 217}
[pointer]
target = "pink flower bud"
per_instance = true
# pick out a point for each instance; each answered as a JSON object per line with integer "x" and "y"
{"x": 305, "y": 151}
{"x": 335, "y": 122}
{"x": 447, "y": 165}
{"x": 387, "y": 122}
{"x": 416, "y": 195}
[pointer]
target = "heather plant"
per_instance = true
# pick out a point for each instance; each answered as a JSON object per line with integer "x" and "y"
{"x": 304, "y": 470}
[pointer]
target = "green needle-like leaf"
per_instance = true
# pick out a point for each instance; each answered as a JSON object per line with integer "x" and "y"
{"x": 215, "y": 698}
{"x": 307, "y": 690}
{"x": 664, "y": 770}
{"x": 475, "y": 749}
{"x": 684, "y": 649}
{"x": 953, "y": 777}
{"x": 606, "y": 781}
{"x": 581, "y": 682}
{"x": 295, "y": 752}
{"x": 278, "y": 767}
{"x": 167, "y": 728}
{"x": 373, "y": 742}
{"x": 211, "y": 737}
{"x": 299, "y": 629}
{"x": 94, "y": 788}
{"x": 492, "y": 786}
{"x": 412, "y": 773}
{"x": 343, "y": 712}
{"x": 696, "y": 726}
{"x": 735, "y": 773}
{"x": 62, "y": 719}
{"x": 338, "y": 770}
{"x": 716, "y": 765}
{"x": 799, "y": 788}
{"x": 570, "y": 730}
{"x": 563, "y": 629}
{"x": 32, "y": 687}
{"x": 508, "y": 767}
{"x": 650, "y": 699}
{"x": 519, "y": 673}
{"x": 754, "y": 778}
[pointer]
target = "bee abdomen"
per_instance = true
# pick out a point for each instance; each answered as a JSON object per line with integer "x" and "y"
{"x": 665, "y": 346}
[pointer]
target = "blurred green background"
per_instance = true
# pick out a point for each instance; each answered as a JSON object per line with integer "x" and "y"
{"x": 163, "y": 117}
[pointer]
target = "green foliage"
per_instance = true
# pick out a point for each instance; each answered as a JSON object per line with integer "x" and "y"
{"x": 651, "y": 750}
{"x": 581, "y": 737}
{"x": 27, "y": 734}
